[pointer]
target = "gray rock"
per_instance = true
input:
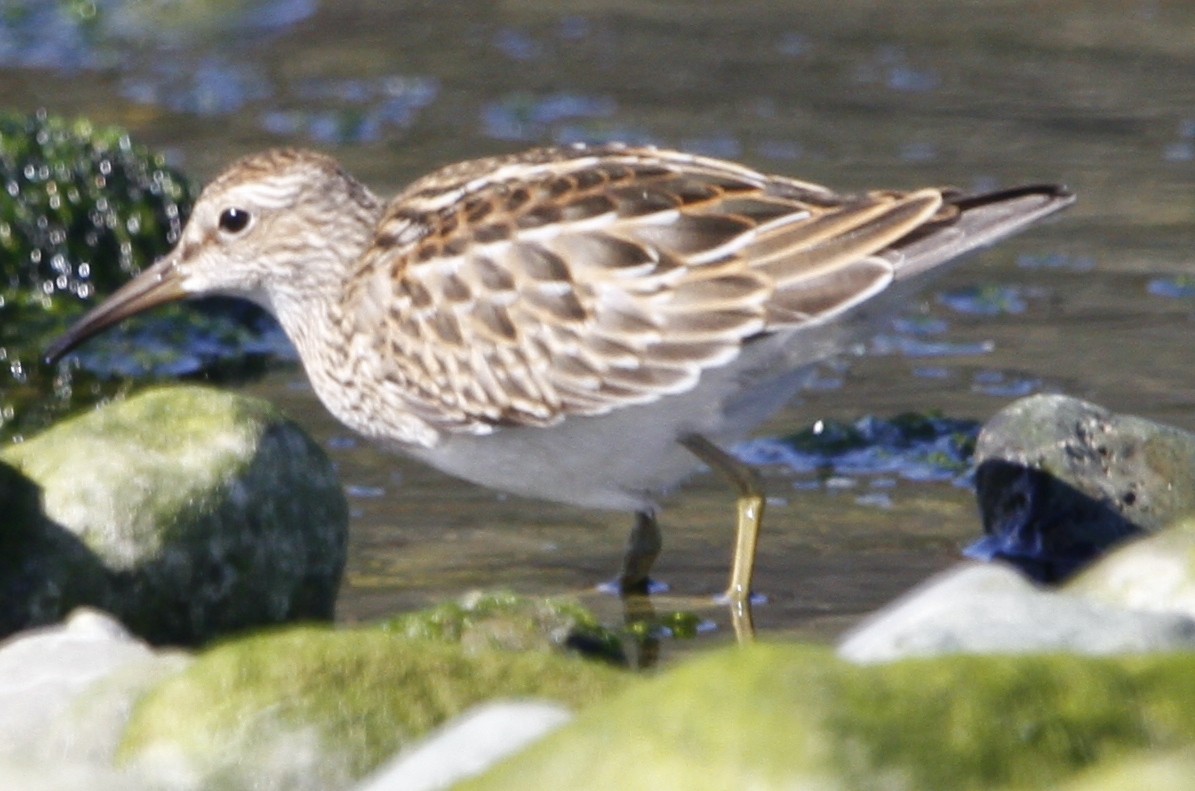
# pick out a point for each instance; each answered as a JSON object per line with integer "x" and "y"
{"x": 186, "y": 511}
{"x": 468, "y": 745}
{"x": 1155, "y": 573}
{"x": 66, "y": 694}
{"x": 1060, "y": 480}
{"x": 993, "y": 609}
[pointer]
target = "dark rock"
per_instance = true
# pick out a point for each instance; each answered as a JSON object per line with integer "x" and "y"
{"x": 187, "y": 512}
{"x": 83, "y": 209}
{"x": 1060, "y": 481}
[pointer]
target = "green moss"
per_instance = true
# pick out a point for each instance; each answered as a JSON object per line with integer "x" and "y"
{"x": 189, "y": 512}
{"x": 164, "y": 435}
{"x": 1006, "y": 722}
{"x": 793, "y": 716}
{"x": 500, "y": 619}
{"x": 729, "y": 720}
{"x": 913, "y": 443}
{"x": 366, "y": 692}
{"x": 82, "y": 208}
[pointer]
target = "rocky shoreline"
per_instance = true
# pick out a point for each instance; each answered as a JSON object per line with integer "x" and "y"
{"x": 982, "y": 677}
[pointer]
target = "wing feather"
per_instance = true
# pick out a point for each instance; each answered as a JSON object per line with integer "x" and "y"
{"x": 579, "y": 281}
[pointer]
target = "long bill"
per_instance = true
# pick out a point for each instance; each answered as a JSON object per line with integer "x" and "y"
{"x": 159, "y": 284}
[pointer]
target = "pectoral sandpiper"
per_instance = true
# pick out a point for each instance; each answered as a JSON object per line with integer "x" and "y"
{"x": 585, "y": 325}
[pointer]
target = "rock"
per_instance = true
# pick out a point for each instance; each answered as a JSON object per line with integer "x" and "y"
{"x": 468, "y": 745}
{"x": 317, "y": 708}
{"x": 1156, "y": 574}
{"x": 480, "y": 620}
{"x": 992, "y": 609}
{"x": 82, "y": 209}
{"x": 66, "y": 693}
{"x": 1060, "y": 480}
{"x": 185, "y": 511}
{"x": 788, "y": 716}
{"x": 1154, "y": 771}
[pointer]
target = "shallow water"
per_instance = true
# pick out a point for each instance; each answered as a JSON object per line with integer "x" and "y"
{"x": 1099, "y": 304}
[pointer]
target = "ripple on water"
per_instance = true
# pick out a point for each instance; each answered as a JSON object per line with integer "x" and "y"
{"x": 909, "y": 447}
{"x": 1172, "y": 286}
{"x": 528, "y": 117}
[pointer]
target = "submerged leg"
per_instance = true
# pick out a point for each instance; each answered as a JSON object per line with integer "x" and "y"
{"x": 643, "y": 546}
{"x": 747, "y": 483}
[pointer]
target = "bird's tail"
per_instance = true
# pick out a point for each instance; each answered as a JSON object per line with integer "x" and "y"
{"x": 970, "y": 222}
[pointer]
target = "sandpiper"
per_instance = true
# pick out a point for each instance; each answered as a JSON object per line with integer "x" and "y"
{"x": 580, "y": 324}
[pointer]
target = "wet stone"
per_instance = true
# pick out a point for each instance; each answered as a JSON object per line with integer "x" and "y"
{"x": 187, "y": 512}
{"x": 1061, "y": 480}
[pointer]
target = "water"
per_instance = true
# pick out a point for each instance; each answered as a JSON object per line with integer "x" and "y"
{"x": 854, "y": 94}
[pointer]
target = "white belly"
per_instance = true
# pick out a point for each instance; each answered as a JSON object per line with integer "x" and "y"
{"x": 626, "y": 459}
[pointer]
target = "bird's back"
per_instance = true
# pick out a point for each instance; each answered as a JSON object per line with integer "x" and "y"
{"x": 523, "y": 290}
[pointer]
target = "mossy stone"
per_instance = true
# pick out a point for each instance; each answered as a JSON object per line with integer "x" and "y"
{"x": 193, "y": 511}
{"x": 790, "y": 716}
{"x": 336, "y": 702}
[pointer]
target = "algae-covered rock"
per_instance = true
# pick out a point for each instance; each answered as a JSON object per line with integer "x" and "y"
{"x": 510, "y": 622}
{"x": 186, "y": 511}
{"x": 1061, "y": 480}
{"x": 913, "y": 445}
{"x": 82, "y": 209}
{"x": 1174, "y": 771}
{"x": 314, "y": 708}
{"x": 786, "y": 716}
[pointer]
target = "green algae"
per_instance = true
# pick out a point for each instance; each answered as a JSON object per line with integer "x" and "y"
{"x": 789, "y": 716}
{"x": 82, "y": 210}
{"x": 507, "y": 621}
{"x": 362, "y": 693}
{"x": 188, "y": 512}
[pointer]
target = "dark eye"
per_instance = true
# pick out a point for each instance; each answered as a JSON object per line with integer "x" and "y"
{"x": 234, "y": 220}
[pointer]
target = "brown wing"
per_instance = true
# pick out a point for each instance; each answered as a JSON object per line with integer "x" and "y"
{"x": 578, "y": 281}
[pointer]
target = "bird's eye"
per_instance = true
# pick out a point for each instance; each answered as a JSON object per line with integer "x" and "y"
{"x": 234, "y": 220}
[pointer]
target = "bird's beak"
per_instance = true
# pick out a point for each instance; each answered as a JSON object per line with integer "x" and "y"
{"x": 159, "y": 284}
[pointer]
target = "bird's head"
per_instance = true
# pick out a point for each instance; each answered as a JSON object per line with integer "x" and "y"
{"x": 275, "y": 228}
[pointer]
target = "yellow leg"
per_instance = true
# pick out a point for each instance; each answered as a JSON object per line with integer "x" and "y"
{"x": 749, "y": 486}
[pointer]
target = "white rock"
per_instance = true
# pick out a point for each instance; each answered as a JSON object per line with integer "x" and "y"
{"x": 992, "y": 609}
{"x": 467, "y": 746}
{"x": 1156, "y": 573}
{"x": 66, "y": 693}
